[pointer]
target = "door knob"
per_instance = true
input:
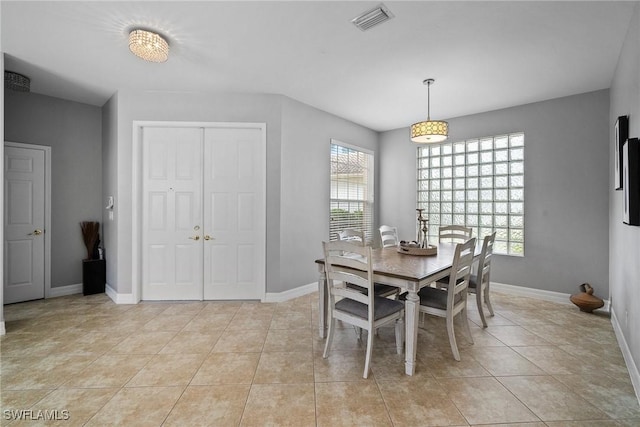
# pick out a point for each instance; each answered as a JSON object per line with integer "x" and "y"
{"x": 207, "y": 237}
{"x": 36, "y": 232}
{"x": 195, "y": 238}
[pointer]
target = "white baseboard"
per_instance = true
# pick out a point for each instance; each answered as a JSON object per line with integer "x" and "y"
{"x": 119, "y": 298}
{"x": 291, "y": 293}
{"x": 2, "y": 329}
{"x": 634, "y": 374}
{"x": 61, "y": 291}
{"x": 552, "y": 296}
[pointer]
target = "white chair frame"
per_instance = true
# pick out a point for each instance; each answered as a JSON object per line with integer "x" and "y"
{"x": 457, "y": 288}
{"x": 356, "y": 237}
{"x": 352, "y": 235}
{"x": 342, "y": 299}
{"x": 388, "y": 236}
{"x": 483, "y": 278}
{"x": 454, "y": 233}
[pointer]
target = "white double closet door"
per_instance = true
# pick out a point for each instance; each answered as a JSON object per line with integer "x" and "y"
{"x": 203, "y": 227}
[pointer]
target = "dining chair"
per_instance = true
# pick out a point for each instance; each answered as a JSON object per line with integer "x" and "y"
{"x": 452, "y": 301}
{"x": 388, "y": 236}
{"x": 365, "y": 311}
{"x": 454, "y": 233}
{"x": 352, "y": 235}
{"x": 479, "y": 282}
{"x": 356, "y": 237}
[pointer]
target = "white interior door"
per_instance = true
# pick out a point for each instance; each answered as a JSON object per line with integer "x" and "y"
{"x": 172, "y": 214}
{"x": 234, "y": 213}
{"x": 24, "y": 224}
{"x": 203, "y": 212}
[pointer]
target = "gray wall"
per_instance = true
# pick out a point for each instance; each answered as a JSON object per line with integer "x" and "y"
{"x": 624, "y": 240}
{"x": 304, "y": 202}
{"x": 297, "y": 172}
{"x": 73, "y": 131}
{"x": 201, "y": 107}
{"x": 110, "y": 184}
{"x": 566, "y": 187}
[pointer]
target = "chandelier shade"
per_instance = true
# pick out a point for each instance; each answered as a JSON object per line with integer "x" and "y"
{"x": 148, "y": 46}
{"x": 429, "y": 131}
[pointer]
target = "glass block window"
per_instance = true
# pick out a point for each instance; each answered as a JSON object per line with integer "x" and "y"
{"x": 478, "y": 183}
{"x": 351, "y": 200}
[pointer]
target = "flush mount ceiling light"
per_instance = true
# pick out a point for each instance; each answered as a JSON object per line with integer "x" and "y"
{"x": 17, "y": 82}
{"x": 148, "y": 46}
{"x": 429, "y": 131}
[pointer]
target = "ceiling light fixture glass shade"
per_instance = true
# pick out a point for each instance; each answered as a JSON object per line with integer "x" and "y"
{"x": 17, "y": 82}
{"x": 148, "y": 46}
{"x": 429, "y": 131}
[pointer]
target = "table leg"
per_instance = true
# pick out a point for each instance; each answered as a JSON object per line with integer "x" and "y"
{"x": 322, "y": 305}
{"x": 412, "y": 317}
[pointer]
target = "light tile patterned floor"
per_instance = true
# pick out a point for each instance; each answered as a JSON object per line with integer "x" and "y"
{"x": 251, "y": 364}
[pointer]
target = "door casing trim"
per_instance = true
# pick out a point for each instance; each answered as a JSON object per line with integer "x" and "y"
{"x": 47, "y": 208}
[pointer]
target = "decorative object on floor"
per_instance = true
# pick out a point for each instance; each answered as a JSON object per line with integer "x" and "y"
{"x": 17, "y": 82}
{"x": 148, "y": 46}
{"x": 91, "y": 237}
{"x": 585, "y": 300}
{"x": 621, "y": 133}
{"x": 429, "y": 131}
{"x": 631, "y": 182}
{"x": 94, "y": 269}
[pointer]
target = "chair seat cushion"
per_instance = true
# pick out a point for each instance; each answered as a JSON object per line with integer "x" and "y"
{"x": 378, "y": 289}
{"x": 432, "y": 297}
{"x": 383, "y": 307}
{"x": 444, "y": 280}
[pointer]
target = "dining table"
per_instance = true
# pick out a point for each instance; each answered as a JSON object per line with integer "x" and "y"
{"x": 407, "y": 272}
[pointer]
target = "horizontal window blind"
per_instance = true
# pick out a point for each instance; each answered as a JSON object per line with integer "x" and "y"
{"x": 351, "y": 200}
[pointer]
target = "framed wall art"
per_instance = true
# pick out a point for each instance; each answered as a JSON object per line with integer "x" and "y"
{"x": 620, "y": 135}
{"x": 631, "y": 181}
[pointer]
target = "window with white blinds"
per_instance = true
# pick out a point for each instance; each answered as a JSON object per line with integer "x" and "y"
{"x": 351, "y": 203}
{"x": 478, "y": 183}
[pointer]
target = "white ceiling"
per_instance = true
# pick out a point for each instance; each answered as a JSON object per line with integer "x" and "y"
{"x": 483, "y": 55}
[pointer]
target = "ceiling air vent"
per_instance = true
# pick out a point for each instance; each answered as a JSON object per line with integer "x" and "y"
{"x": 373, "y": 17}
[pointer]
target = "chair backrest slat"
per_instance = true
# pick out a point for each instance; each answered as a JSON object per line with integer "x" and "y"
{"x": 460, "y": 272}
{"x": 454, "y": 233}
{"x": 342, "y": 255}
{"x": 484, "y": 264}
{"x": 352, "y": 235}
{"x": 388, "y": 236}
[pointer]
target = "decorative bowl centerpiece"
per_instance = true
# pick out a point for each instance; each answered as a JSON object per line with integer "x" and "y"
{"x": 420, "y": 246}
{"x": 415, "y": 248}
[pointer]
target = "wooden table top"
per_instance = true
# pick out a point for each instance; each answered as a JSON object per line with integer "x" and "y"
{"x": 389, "y": 262}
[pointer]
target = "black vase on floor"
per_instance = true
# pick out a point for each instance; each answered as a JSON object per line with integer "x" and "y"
{"x": 94, "y": 276}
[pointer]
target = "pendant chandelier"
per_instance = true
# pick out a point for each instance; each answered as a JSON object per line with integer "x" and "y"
{"x": 429, "y": 131}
